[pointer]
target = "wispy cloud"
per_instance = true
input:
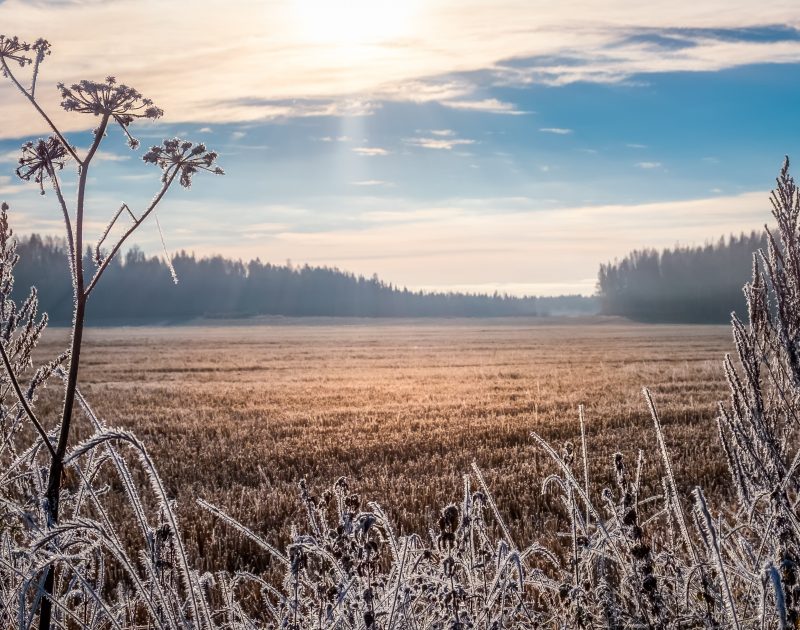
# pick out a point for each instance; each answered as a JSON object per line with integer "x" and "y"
{"x": 372, "y": 182}
{"x": 238, "y": 135}
{"x": 635, "y": 145}
{"x": 487, "y": 105}
{"x": 420, "y": 59}
{"x": 9, "y": 188}
{"x": 371, "y": 151}
{"x": 559, "y": 131}
{"x": 440, "y": 143}
{"x": 648, "y": 165}
{"x": 334, "y": 139}
{"x": 109, "y": 156}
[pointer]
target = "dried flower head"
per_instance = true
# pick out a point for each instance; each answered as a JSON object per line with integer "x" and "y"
{"x": 120, "y": 102}
{"x": 39, "y": 158}
{"x": 183, "y": 156}
{"x": 42, "y": 47}
{"x": 12, "y": 49}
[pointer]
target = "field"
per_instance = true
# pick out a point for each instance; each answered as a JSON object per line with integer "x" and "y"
{"x": 238, "y": 415}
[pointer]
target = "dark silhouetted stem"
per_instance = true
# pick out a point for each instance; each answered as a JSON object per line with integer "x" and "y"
{"x": 57, "y": 463}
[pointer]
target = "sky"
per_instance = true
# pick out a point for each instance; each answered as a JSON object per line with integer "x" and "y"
{"x": 476, "y": 145}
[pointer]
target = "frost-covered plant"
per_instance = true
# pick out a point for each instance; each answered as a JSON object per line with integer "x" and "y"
{"x": 49, "y": 581}
{"x": 68, "y": 559}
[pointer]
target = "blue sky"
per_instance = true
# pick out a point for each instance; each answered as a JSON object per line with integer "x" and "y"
{"x": 511, "y": 150}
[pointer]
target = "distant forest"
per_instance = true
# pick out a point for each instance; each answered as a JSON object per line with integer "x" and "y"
{"x": 683, "y": 284}
{"x": 137, "y": 289}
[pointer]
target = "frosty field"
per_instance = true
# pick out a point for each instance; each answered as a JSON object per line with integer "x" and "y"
{"x": 401, "y": 408}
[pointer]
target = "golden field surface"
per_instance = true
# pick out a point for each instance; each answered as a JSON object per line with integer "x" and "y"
{"x": 238, "y": 414}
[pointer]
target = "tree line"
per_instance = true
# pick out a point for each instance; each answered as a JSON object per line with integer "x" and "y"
{"x": 139, "y": 289}
{"x": 682, "y": 284}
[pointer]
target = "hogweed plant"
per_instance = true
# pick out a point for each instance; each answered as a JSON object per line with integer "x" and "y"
{"x": 68, "y": 559}
{"x": 42, "y": 161}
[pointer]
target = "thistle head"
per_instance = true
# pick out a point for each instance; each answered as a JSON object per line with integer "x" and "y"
{"x": 119, "y": 102}
{"x": 40, "y": 158}
{"x": 184, "y": 158}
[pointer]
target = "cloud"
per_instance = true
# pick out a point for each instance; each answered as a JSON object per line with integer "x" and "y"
{"x": 238, "y": 135}
{"x": 108, "y": 156}
{"x": 633, "y": 145}
{"x": 426, "y": 91}
{"x": 445, "y": 133}
{"x": 205, "y": 130}
{"x": 428, "y": 51}
{"x": 372, "y": 182}
{"x": 488, "y": 105}
{"x": 441, "y": 144}
{"x": 9, "y": 188}
{"x": 10, "y": 156}
{"x": 648, "y": 165}
{"x": 559, "y": 131}
{"x": 334, "y": 139}
{"x": 617, "y": 60}
{"x": 370, "y": 151}
{"x": 513, "y": 241}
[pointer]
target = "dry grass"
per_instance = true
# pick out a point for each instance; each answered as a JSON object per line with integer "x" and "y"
{"x": 400, "y": 408}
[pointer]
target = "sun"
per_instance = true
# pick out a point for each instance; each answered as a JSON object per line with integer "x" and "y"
{"x": 350, "y": 24}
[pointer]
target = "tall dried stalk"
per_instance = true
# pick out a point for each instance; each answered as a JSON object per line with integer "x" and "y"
{"x": 42, "y": 162}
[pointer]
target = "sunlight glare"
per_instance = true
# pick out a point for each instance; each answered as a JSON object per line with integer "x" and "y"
{"x": 351, "y": 24}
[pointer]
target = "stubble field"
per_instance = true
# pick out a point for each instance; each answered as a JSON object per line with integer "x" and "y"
{"x": 237, "y": 415}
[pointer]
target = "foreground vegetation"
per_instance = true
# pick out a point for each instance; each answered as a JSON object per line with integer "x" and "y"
{"x": 92, "y": 537}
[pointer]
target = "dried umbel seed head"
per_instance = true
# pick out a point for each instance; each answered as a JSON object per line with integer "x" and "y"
{"x": 568, "y": 453}
{"x": 40, "y": 158}
{"x": 449, "y": 519}
{"x": 341, "y": 484}
{"x": 183, "y": 157}
{"x": 353, "y": 502}
{"x": 13, "y": 50}
{"x": 365, "y": 522}
{"x": 621, "y": 472}
{"x": 41, "y": 47}
{"x": 297, "y": 558}
{"x": 121, "y": 103}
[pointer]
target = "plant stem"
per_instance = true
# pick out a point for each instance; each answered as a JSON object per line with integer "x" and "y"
{"x": 137, "y": 222}
{"x": 36, "y": 106}
{"x": 57, "y": 462}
